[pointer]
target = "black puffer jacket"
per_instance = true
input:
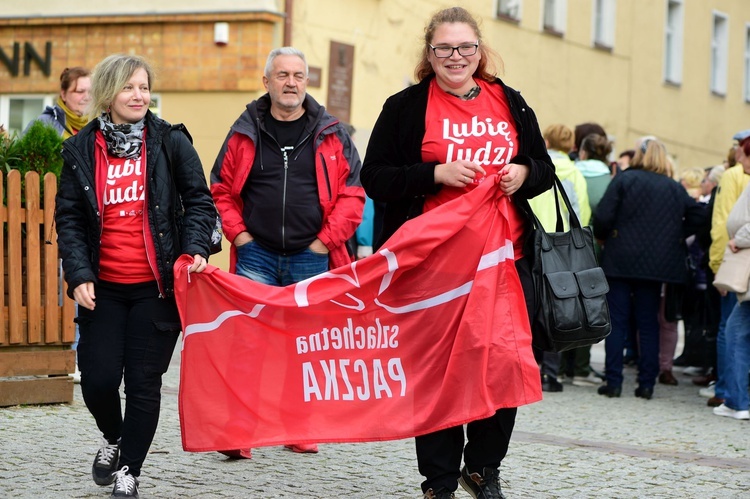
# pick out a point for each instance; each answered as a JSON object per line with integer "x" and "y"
{"x": 78, "y": 219}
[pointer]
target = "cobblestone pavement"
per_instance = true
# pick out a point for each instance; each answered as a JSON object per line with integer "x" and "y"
{"x": 574, "y": 444}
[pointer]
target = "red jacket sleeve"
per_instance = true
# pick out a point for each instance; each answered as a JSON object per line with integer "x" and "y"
{"x": 229, "y": 174}
{"x": 343, "y": 211}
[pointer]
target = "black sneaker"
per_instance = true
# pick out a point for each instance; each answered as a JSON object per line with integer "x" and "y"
{"x": 484, "y": 486}
{"x": 441, "y": 493}
{"x": 550, "y": 384}
{"x": 126, "y": 485}
{"x": 105, "y": 463}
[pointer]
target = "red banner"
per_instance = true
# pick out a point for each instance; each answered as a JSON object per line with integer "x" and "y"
{"x": 428, "y": 333}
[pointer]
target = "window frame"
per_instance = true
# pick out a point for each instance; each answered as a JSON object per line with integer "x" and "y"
{"x": 506, "y": 16}
{"x": 49, "y": 100}
{"x": 559, "y": 13}
{"x": 719, "y": 66}
{"x": 5, "y": 103}
{"x": 673, "y": 43}
{"x": 746, "y": 87}
{"x": 604, "y": 22}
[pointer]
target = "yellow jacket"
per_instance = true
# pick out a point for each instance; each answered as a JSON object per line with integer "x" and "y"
{"x": 575, "y": 187}
{"x": 731, "y": 185}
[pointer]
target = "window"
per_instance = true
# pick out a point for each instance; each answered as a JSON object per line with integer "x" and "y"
{"x": 155, "y": 105}
{"x": 17, "y": 111}
{"x": 509, "y": 9}
{"x": 673, "y": 42}
{"x": 719, "y": 48}
{"x": 555, "y": 16}
{"x": 747, "y": 63}
{"x": 604, "y": 23}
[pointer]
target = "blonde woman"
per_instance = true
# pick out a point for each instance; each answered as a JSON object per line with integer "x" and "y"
{"x": 119, "y": 238}
{"x": 641, "y": 221}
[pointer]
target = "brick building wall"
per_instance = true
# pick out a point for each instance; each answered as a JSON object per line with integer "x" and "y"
{"x": 180, "y": 47}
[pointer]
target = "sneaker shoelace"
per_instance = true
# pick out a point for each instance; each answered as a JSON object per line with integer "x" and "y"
{"x": 124, "y": 481}
{"x": 489, "y": 484}
{"x": 106, "y": 453}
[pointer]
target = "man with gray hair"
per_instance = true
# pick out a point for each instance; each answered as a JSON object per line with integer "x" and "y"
{"x": 286, "y": 183}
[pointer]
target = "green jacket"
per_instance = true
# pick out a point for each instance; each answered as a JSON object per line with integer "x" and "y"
{"x": 598, "y": 177}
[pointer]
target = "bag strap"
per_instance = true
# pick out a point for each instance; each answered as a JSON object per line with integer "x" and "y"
{"x": 573, "y": 218}
{"x": 575, "y": 224}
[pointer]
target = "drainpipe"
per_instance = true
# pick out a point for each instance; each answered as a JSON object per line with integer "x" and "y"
{"x": 288, "y": 22}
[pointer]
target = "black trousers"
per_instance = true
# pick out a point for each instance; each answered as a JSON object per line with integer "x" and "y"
{"x": 487, "y": 440}
{"x": 131, "y": 333}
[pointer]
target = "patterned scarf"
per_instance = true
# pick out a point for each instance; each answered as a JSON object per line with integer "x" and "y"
{"x": 73, "y": 122}
{"x": 123, "y": 140}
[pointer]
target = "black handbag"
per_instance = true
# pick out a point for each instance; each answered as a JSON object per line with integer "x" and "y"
{"x": 570, "y": 288}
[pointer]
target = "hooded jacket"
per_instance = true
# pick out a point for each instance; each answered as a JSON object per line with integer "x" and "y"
{"x": 598, "y": 176}
{"x": 337, "y": 167}
{"x": 53, "y": 116}
{"x": 78, "y": 215}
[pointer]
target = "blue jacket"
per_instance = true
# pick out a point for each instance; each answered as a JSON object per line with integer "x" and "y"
{"x": 53, "y": 116}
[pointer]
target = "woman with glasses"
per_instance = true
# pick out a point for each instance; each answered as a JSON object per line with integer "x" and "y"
{"x": 433, "y": 142}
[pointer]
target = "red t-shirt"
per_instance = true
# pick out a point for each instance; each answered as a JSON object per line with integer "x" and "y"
{"x": 122, "y": 257}
{"x": 480, "y": 130}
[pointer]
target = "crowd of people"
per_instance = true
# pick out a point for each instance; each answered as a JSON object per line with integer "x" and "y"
{"x": 661, "y": 236}
{"x": 291, "y": 191}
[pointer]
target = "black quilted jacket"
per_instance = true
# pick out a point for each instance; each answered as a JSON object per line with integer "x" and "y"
{"x": 643, "y": 219}
{"x": 77, "y": 216}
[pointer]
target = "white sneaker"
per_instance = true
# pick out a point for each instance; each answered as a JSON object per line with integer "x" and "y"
{"x": 76, "y": 375}
{"x": 709, "y": 391}
{"x": 695, "y": 371}
{"x": 590, "y": 380}
{"x": 723, "y": 410}
{"x": 126, "y": 485}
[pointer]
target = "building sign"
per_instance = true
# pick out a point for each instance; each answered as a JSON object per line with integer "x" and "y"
{"x": 315, "y": 74}
{"x": 29, "y": 54}
{"x": 341, "y": 68}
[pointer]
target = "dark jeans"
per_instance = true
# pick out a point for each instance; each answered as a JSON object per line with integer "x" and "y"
{"x": 439, "y": 453}
{"x": 643, "y": 299}
{"x": 131, "y": 332}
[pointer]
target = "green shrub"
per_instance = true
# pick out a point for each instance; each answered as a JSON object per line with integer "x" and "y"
{"x": 9, "y": 154}
{"x": 39, "y": 150}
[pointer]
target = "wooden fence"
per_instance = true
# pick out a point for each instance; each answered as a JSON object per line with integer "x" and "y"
{"x": 36, "y": 318}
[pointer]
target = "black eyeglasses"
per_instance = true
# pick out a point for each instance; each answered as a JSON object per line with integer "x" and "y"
{"x": 464, "y": 50}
